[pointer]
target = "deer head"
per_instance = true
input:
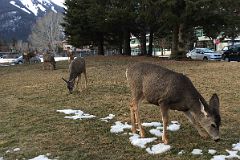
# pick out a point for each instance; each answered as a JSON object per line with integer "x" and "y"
{"x": 210, "y": 119}
{"x": 70, "y": 84}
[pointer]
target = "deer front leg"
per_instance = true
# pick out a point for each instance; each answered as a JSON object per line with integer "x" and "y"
{"x": 164, "y": 112}
{"x": 137, "y": 119}
{"x": 133, "y": 119}
{"x": 195, "y": 124}
{"x": 79, "y": 78}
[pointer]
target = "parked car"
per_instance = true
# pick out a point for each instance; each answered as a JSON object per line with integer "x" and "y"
{"x": 20, "y": 60}
{"x": 204, "y": 54}
{"x": 232, "y": 53}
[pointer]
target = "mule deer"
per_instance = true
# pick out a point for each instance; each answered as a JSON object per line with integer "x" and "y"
{"x": 76, "y": 68}
{"x": 49, "y": 61}
{"x": 171, "y": 91}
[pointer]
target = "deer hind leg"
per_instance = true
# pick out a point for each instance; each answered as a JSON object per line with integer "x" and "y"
{"x": 164, "y": 112}
{"x": 135, "y": 117}
{"x": 78, "y": 78}
{"x": 195, "y": 124}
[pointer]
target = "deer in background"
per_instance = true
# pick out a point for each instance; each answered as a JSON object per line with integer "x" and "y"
{"x": 48, "y": 61}
{"x": 171, "y": 91}
{"x": 76, "y": 68}
{"x": 70, "y": 55}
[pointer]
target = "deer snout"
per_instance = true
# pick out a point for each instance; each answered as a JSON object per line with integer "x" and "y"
{"x": 216, "y": 139}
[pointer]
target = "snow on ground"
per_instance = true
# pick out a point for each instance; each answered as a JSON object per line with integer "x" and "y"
{"x": 158, "y": 148}
{"x": 41, "y": 157}
{"x": 212, "y": 151}
{"x": 152, "y": 124}
{"x": 119, "y": 127}
{"x": 156, "y": 132}
{"x": 136, "y": 140}
{"x": 77, "y": 114}
{"x": 197, "y": 152}
{"x": 236, "y": 146}
{"x": 140, "y": 142}
{"x": 232, "y": 154}
{"x": 109, "y": 117}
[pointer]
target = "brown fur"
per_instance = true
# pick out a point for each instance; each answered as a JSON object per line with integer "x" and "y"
{"x": 49, "y": 61}
{"x": 76, "y": 68}
{"x": 171, "y": 91}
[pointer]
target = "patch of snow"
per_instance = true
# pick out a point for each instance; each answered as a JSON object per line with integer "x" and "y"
{"x": 14, "y": 3}
{"x": 197, "y": 152}
{"x": 152, "y": 124}
{"x": 41, "y": 7}
{"x": 119, "y": 127}
{"x": 212, "y": 151}
{"x": 140, "y": 142}
{"x": 181, "y": 152}
{"x": 109, "y": 117}
{"x": 173, "y": 127}
{"x": 13, "y": 150}
{"x": 219, "y": 157}
{"x": 16, "y": 149}
{"x": 53, "y": 9}
{"x": 40, "y": 157}
{"x": 232, "y": 154}
{"x": 78, "y": 114}
{"x": 1, "y": 158}
{"x": 236, "y": 146}
{"x": 29, "y": 4}
{"x": 59, "y": 2}
{"x": 156, "y": 132}
{"x": 158, "y": 148}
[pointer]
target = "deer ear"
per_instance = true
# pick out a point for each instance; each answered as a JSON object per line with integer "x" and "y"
{"x": 65, "y": 80}
{"x": 203, "y": 109}
{"x": 214, "y": 102}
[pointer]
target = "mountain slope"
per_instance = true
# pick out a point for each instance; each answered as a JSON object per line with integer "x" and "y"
{"x": 17, "y": 16}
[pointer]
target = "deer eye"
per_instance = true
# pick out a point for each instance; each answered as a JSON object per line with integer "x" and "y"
{"x": 214, "y": 125}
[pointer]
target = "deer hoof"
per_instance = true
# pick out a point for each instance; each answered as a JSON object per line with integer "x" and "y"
{"x": 134, "y": 130}
{"x": 142, "y": 134}
{"x": 165, "y": 140}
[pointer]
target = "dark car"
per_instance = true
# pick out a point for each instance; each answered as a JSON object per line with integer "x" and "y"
{"x": 232, "y": 53}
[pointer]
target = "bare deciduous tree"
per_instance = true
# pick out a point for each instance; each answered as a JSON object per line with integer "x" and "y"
{"x": 47, "y": 32}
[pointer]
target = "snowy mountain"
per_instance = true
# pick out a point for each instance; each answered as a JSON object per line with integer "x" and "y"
{"x": 17, "y": 16}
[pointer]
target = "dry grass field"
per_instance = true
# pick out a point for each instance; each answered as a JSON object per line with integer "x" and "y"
{"x": 30, "y": 96}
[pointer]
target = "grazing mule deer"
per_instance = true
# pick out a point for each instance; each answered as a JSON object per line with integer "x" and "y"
{"x": 171, "y": 90}
{"x": 76, "y": 68}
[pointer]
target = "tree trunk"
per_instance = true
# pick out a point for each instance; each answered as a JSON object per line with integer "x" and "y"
{"x": 143, "y": 43}
{"x": 126, "y": 41}
{"x": 120, "y": 44}
{"x": 174, "y": 51}
{"x": 100, "y": 45}
{"x": 150, "y": 46}
{"x": 181, "y": 46}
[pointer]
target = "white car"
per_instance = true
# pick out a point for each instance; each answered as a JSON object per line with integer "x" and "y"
{"x": 204, "y": 54}
{"x": 20, "y": 60}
